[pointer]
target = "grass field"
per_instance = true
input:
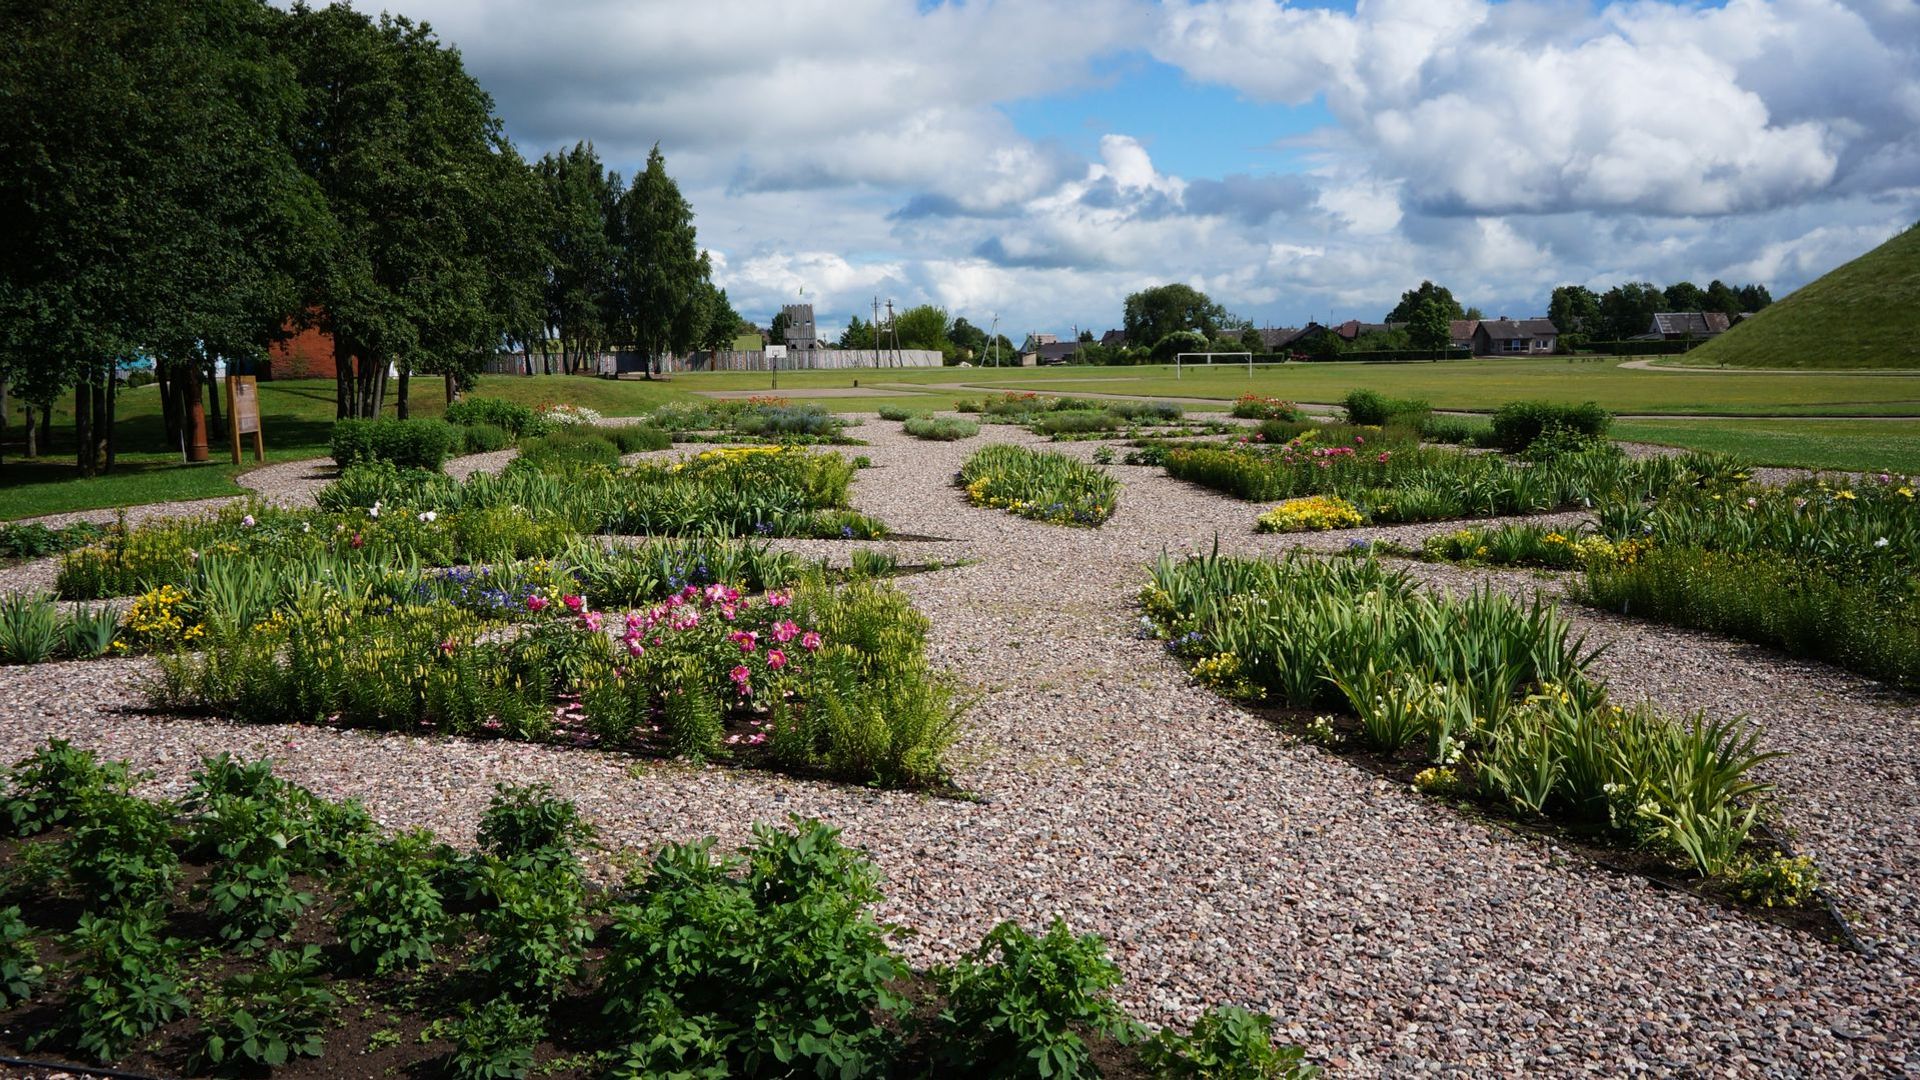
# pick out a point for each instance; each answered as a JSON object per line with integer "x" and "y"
{"x": 1864, "y": 314}
{"x": 297, "y": 415}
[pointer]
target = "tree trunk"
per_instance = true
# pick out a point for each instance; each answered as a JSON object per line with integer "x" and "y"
{"x": 343, "y": 398}
{"x": 452, "y": 390}
{"x": 195, "y": 417}
{"x": 108, "y": 444}
{"x": 26, "y": 416}
{"x": 403, "y": 410}
{"x": 83, "y": 426}
{"x": 46, "y": 426}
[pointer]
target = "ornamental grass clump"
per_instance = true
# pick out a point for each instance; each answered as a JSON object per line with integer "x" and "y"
{"x": 1493, "y": 691}
{"x": 1041, "y": 485}
{"x": 941, "y": 428}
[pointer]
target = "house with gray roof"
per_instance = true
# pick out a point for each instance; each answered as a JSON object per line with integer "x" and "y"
{"x": 1515, "y": 337}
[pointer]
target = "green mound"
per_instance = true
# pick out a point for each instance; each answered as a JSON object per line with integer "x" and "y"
{"x": 1865, "y": 314}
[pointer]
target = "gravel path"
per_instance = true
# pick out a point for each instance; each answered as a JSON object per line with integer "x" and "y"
{"x": 1225, "y": 861}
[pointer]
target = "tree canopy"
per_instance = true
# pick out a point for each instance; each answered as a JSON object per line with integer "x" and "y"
{"x": 1151, "y": 314}
{"x": 1412, "y": 299}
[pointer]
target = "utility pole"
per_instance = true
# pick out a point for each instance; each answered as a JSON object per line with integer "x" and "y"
{"x": 893, "y": 354}
{"x": 876, "y": 331}
{"x": 993, "y": 340}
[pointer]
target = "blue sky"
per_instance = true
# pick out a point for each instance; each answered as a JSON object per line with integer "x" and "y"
{"x": 1040, "y": 159}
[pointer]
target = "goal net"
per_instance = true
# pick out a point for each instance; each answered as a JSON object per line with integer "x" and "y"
{"x": 1179, "y": 357}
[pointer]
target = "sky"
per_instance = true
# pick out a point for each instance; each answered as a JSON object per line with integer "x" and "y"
{"x": 1035, "y": 161}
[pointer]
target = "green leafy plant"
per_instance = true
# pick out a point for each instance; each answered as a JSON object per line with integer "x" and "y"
{"x": 494, "y": 1041}
{"x": 393, "y": 915}
{"x": 532, "y": 926}
{"x": 271, "y": 1015}
{"x": 128, "y": 984}
{"x": 1017, "y": 1004}
{"x": 21, "y": 973}
{"x": 941, "y": 428}
{"x": 49, "y": 786}
{"x": 1041, "y": 485}
{"x": 1227, "y": 1043}
{"x": 31, "y": 630}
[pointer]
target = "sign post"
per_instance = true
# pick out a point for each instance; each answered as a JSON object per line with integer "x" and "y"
{"x": 243, "y": 415}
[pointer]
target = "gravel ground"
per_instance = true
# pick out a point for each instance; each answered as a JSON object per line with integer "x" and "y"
{"x": 1225, "y": 861}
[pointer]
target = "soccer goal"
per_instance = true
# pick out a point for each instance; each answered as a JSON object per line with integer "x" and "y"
{"x": 1178, "y": 357}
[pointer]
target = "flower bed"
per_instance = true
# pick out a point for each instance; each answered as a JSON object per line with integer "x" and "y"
{"x": 1475, "y": 695}
{"x": 1041, "y": 485}
{"x": 824, "y": 679}
{"x": 254, "y": 925}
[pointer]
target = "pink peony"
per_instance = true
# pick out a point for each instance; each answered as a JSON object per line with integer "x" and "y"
{"x": 779, "y": 599}
{"x": 536, "y": 603}
{"x": 810, "y": 641}
{"x": 776, "y": 659}
{"x": 574, "y": 603}
{"x": 785, "y": 630}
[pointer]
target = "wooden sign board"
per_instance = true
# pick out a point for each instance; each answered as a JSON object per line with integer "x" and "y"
{"x": 243, "y": 415}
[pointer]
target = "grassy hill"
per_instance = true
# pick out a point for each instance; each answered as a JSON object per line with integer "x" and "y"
{"x": 1865, "y": 314}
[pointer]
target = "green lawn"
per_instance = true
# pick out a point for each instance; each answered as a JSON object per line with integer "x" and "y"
{"x": 1859, "y": 445}
{"x": 297, "y": 415}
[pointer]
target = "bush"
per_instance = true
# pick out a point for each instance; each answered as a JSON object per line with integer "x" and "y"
{"x": 517, "y": 420}
{"x": 1517, "y": 425}
{"x": 1258, "y": 407}
{"x": 1020, "y": 1003}
{"x": 1372, "y": 408}
{"x": 569, "y": 446}
{"x": 1458, "y": 430}
{"x": 483, "y": 438}
{"x": 270, "y": 1016}
{"x": 410, "y": 444}
{"x": 1147, "y": 412}
{"x": 779, "y": 421}
{"x": 128, "y": 987}
{"x": 33, "y": 540}
{"x": 941, "y": 428}
{"x": 1075, "y": 421}
{"x": 1043, "y": 486}
{"x": 897, "y": 412}
{"x": 21, "y": 974}
{"x": 1228, "y": 1043}
{"x": 638, "y": 438}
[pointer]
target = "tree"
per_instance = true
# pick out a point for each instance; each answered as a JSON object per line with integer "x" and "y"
{"x": 967, "y": 337}
{"x": 1685, "y": 296}
{"x": 1574, "y": 309}
{"x": 580, "y": 200}
{"x": 1431, "y": 326}
{"x": 148, "y": 206}
{"x": 1086, "y": 337}
{"x": 402, "y": 142}
{"x": 1411, "y": 300}
{"x": 1474, "y": 314}
{"x": 660, "y": 270}
{"x": 924, "y": 327}
{"x": 1150, "y": 315}
{"x": 722, "y": 322}
{"x": 777, "y": 328}
{"x": 1754, "y": 297}
{"x": 857, "y": 335}
{"x": 1627, "y": 310}
{"x": 1722, "y": 298}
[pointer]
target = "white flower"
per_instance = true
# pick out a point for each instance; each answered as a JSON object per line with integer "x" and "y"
{"x": 247, "y": 521}
{"x": 374, "y": 510}
{"x": 306, "y": 526}
{"x": 428, "y": 516}
{"x": 1880, "y": 543}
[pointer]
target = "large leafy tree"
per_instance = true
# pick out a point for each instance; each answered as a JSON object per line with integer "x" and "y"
{"x": 661, "y": 273}
{"x": 1151, "y": 314}
{"x": 1628, "y": 309}
{"x": 1574, "y": 309}
{"x": 582, "y": 201}
{"x": 1685, "y": 296}
{"x": 721, "y": 322}
{"x": 1412, "y": 299}
{"x": 924, "y": 327}
{"x": 148, "y": 206}
{"x": 402, "y": 142}
{"x": 1431, "y": 325}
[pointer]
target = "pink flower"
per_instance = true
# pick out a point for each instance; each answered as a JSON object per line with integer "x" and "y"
{"x": 740, "y": 674}
{"x": 446, "y": 647}
{"x": 536, "y": 603}
{"x": 634, "y": 649}
{"x": 1360, "y": 440}
{"x": 1382, "y": 459}
{"x": 746, "y": 639}
{"x": 592, "y": 619}
{"x": 776, "y": 659}
{"x": 574, "y": 603}
{"x": 785, "y": 630}
{"x": 811, "y": 641}
{"x": 779, "y": 599}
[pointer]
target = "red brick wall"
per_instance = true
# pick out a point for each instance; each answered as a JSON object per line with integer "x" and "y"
{"x": 306, "y": 355}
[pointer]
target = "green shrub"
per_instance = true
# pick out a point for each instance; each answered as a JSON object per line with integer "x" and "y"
{"x": 638, "y": 438}
{"x": 1458, "y": 430}
{"x": 1019, "y": 1004}
{"x": 34, "y": 540}
{"x": 570, "y": 445}
{"x": 1373, "y": 408}
{"x": 1518, "y": 424}
{"x": 1075, "y": 421}
{"x": 1258, "y": 407}
{"x": 120, "y": 852}
{"x": 31, "y": 629}
{"x": 782, "y": 970}
{"x": 483, "y": 438}
{"x": 1147, "y": 412}
{"x": 941, "y": 428}
{"x": 532, "y": 928}
{"x": 494, "y": 1041}
{"x": 49, "y": 787}
{"x": 1227, "y": 1043}
{"x": 393, "y": 915}
{"x": 517, "y": 420}
{"x": 897, "y": 412}
{"x": 128, "y": 985}
{"x": 1044, "y": 486}
{"x": 410, "y": 444}
{"x": 21, "y": 974}
{"x": 779, "y": 421}
{"x": 530, "y": 827}
{"x": 271, "y": 1015}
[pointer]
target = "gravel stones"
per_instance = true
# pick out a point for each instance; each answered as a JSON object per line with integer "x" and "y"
{"x": 1224, "y": 860}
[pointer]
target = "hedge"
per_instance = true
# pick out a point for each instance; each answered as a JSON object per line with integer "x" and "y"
{"x": 1518, "y": 423}
{"x": 410, "y": 444}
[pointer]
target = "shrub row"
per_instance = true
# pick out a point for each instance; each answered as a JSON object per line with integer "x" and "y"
{"x": 410, "y": 444}
{"x": 941, "y": 428}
